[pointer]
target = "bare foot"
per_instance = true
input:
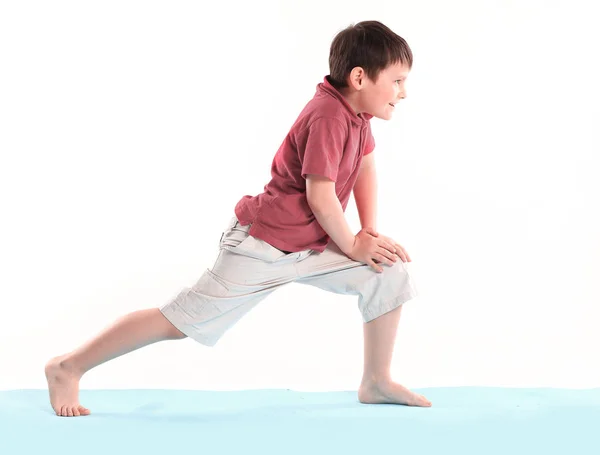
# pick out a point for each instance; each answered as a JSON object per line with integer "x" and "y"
{"x": 391, "y": 393}
{"x": 63, "y": 385}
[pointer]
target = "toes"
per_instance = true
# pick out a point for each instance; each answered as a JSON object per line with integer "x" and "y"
{"x": 424, "y": 400}
{"x": 419, "y": 400}
{"x": 72, "y": 411}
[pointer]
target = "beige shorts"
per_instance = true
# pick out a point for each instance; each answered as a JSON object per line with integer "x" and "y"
{"x": 249, "y": 269}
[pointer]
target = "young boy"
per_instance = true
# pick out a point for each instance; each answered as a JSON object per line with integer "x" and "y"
{"x": 295, "y": 231}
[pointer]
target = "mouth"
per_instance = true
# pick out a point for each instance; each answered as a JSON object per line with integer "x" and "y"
{"x": 393, "y": 105}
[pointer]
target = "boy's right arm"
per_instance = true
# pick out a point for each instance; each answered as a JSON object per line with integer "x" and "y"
{"x": 324, "y": 203}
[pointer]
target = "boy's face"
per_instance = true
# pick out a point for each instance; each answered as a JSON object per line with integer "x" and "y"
{"x": 379, "y": 97}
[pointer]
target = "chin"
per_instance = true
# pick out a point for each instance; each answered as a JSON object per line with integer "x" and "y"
{"x": 382, "y": 116}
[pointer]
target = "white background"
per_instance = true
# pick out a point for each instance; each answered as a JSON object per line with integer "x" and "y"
{"x": 129, "y": 130}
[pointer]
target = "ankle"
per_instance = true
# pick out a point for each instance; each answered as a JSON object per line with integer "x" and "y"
{"x": 68, "y": 364}
{"x": 371, "y": 379}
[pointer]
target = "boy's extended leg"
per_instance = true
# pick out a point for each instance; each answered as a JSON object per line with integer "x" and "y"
{"x": 377, "y": 385}
{"x": 128, "y": 333}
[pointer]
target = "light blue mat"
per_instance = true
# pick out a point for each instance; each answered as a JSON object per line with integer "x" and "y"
{"x": 464, "y": 420}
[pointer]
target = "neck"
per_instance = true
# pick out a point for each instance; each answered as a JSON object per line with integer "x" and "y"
{"x": 351, "y": 96}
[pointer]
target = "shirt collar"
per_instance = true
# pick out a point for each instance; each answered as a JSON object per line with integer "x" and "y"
{"x": 326, "y": 87}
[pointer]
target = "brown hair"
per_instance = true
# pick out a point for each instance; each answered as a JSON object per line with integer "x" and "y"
{"x": 368, "y": 44}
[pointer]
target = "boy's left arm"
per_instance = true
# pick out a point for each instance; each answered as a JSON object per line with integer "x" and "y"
{"x": 365, "y": 193}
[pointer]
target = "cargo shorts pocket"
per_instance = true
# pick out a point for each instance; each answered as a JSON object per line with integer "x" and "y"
{"x": 237, "y": 240}
{"x": 258, "y": 249}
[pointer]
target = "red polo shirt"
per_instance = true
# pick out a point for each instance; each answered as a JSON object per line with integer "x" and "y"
{"x": 327, "y": 139}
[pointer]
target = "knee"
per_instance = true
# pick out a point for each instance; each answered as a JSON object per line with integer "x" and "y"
{"x": 176, "y": 334}
{"x": 173, "y": 333}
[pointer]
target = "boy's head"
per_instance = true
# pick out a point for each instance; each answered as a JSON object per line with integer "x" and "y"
{"x": 368, "y": 64}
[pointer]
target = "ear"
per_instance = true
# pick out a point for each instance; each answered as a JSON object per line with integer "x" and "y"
{"x": 357, "y": 78}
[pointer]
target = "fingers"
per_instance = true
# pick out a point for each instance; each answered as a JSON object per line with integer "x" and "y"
{"x": 387, "y": 254}
{"x": 387, "y": 245}
{"x": 392, "y": 251}
{"x": 375, "y": 266}
{"x": 396, "y": 248}
{"x": 400, "y": 249}
{"x": 380, "y": 258}
{"x": 391, "y": 245}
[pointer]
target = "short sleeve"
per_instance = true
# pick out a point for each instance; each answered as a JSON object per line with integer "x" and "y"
{"x": 370, "y": 142}
{"x": 323, "y": 149}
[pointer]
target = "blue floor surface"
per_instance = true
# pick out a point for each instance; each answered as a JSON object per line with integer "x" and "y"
{"x": 463, "y": 420}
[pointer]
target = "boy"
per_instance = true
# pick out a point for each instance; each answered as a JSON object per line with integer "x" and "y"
{"x": 295, "y": 231}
